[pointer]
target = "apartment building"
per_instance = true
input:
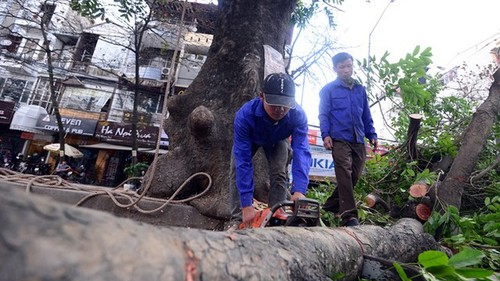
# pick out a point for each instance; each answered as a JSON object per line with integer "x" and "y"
{"x": 94, "y": 79}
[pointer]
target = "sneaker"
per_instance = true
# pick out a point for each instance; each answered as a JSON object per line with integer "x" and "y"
{"x": 350, "y": 222}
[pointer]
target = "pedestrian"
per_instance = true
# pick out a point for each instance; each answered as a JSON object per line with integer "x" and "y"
{"x": 267, "y": 122}
{"x": 345, "y": 121}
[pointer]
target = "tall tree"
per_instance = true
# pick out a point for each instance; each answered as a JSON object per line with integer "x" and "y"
{"x": 199, "y": 122}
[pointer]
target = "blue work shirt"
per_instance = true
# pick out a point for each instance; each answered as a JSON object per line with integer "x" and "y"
{"x": 344, "y": 113}
{"x": 252, "y": 126}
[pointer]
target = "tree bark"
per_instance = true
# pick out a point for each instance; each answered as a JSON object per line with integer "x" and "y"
{"x": 44, "y": 240}
{"x": 201, "y": 120}
{"x": 451, "y": 189}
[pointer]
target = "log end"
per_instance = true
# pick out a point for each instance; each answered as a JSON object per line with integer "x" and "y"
{"x": 423, "y": 211}
{"x": 419, "y": 190}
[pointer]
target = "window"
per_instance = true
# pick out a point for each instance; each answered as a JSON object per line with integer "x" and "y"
{"x": 13, "y": 89}
{"x": 47, "y": 11}
{"x": 30, "y": 48}
{"x": 15, "y": 42}
{"x": 41, "y": 95}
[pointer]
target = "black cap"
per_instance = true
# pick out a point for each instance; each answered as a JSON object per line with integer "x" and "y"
{"x": 279, "y": 90}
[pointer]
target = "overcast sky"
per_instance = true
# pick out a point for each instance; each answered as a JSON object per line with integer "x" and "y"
{"x": 456, "y": 30}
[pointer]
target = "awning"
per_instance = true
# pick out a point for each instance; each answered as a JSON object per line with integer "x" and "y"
{"x": 104, "y": 145}
{"x": 25, "y": 118}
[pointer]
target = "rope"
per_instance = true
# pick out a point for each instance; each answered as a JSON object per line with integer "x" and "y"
{"x": 53, "y": 181}
{"x": 353, "y": 235}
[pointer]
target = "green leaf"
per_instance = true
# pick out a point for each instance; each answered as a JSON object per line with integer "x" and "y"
{"x": 490, "y": 241}
{"x": 487, "y": 201}
{"x": 466, "y": 257}
{"x": 401, "y": 272}
{"x": 441, "y": 270}
{"x": 474, "y": 272}
{"x": 432, "y": 258}
{"x": 411, "y": 173}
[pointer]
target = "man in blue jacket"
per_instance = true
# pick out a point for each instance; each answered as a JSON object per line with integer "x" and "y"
{"x": 345, "y": 120}
{"x": 267, "y": 122}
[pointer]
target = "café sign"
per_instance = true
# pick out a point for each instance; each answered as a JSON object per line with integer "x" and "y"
{"x": 78, "y": 126}
{"x": 121, "y": 133}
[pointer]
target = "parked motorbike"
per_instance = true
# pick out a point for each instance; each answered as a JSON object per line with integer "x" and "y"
{"x": 42, "y": 168}
{"x": 79, "y": 175}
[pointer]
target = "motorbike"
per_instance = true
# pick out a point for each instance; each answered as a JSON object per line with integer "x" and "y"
{"x": 79, "y": 175}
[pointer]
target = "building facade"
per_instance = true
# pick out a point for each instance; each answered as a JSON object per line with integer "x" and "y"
{"x": 93, "y": 68}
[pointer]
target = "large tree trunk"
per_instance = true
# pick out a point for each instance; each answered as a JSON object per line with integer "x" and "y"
{"x": 451, "y": 189}
{"x": 44, "y": 240}
{"x": 201, "y": 120}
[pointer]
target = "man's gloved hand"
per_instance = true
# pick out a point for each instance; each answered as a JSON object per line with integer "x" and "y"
{"x": 248, "y": 214}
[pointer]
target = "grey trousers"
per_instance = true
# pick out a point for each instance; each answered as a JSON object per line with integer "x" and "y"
{"x": 278, "y": 158}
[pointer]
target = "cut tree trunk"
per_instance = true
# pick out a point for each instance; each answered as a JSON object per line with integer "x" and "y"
{"x": 451, "y": 189}
{"x": 44, "y": 240}
{"x": 200, "y": 121}
{"x": 412, "y": 135}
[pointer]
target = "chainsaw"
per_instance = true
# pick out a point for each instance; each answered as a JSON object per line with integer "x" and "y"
{"x": 301, "y": 212}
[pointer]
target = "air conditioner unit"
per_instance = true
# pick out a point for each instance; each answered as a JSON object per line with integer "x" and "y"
{"x": 164, "y": 73}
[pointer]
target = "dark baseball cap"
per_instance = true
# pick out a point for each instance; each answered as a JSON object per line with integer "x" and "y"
{"x": 279, "y": 90}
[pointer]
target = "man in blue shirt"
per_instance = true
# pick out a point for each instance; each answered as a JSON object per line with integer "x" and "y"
{"x": 267, "y": 122}
{"x": 345, "y": 120}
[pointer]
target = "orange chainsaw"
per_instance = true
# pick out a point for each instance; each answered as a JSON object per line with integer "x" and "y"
{"x": 301, "y": 212}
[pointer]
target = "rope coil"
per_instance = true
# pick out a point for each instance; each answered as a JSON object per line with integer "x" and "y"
{"x": 56, "y": 182}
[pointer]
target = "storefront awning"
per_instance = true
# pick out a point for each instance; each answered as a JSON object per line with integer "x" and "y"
{"x": 104, "y": 145}
{"x": 25, "y": 118}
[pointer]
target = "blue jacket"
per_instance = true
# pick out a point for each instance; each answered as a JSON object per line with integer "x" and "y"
{"x": 344, "y": 113}
{"x": 252, "y": 126}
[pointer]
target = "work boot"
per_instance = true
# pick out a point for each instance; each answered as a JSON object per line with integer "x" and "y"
{"x": 350, "y": 222}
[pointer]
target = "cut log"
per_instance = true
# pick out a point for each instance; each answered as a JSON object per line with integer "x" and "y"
{"x": 372, "y": 200}
{"x": 419, "y": 189}
{"x": 423, "y": 211}
{"x": 44, "y": 240}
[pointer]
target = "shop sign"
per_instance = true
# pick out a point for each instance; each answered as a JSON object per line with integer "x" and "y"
{"x": 27, "y": 136}
{"x": 78, "y": 126}
{"x": 121, "y": 133}
{"x": 6, "y": 111}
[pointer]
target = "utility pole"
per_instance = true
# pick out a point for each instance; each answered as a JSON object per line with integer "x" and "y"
{"x": 369, "y": 68}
